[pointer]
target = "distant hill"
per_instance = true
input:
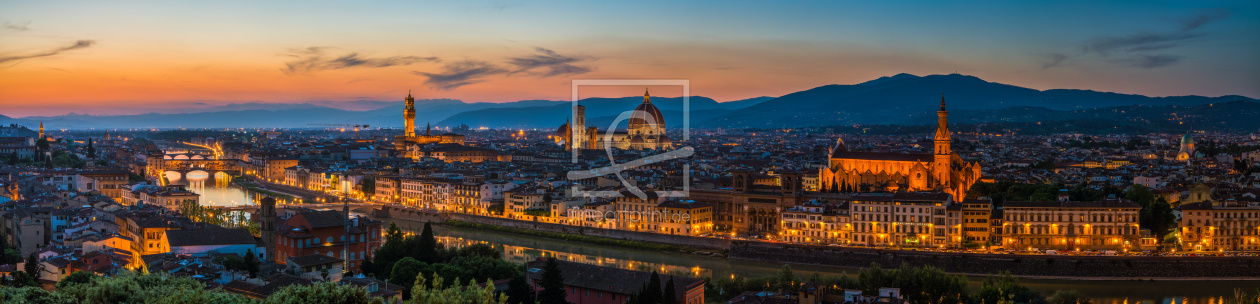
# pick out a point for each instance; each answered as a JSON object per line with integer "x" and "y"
{"x": 899, "y": 98}
{"x": 1236, "y": 116}
{"x": 599, "y": 112}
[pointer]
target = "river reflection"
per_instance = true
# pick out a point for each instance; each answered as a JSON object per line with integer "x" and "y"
{"x": 218, "y": 190}
{"x": 519, "y": 249}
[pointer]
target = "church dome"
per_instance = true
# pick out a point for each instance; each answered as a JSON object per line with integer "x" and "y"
{"x": 1185, "y": 139}
{"x": 563, "y": 131}
{"x": 665, "y": 139}
{"x": 636, "y": 139}
{"x": 647, "y": 115}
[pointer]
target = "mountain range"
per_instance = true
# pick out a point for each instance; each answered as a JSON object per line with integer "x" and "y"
{"x": 899, "y": 99}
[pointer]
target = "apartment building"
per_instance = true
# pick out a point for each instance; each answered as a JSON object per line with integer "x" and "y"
{"x": 1111, "y": 224}
{"x": 901, "y": 219}
{"x": 1225, "y": 226}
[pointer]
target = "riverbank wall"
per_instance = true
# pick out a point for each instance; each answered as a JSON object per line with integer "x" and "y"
{"x": 1045, "y": 266}
{"x": 410, "y": 214}
{"x": 702, "y": 243}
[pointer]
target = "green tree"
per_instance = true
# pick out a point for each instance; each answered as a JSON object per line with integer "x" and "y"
{"x": 787, "y": 280}
{"x": 129, "y": 287}
{"x": 32, "y": 267}
{"x": 427, "y": 244}
{"x": 405, "y": 272}
{"x": 366, "y": 267}
{"x": 1004, "y": 287}
{"x": 251, "y": 262}
{"x": 32, "y": 294}
{"x": 42, "y": 144}
{"x": 1140, "y": 194}
{"x": 552, "y": 283}
{"x": 91, "y": 150}
{"x": 475, "y": 250}
{"x": 8, "y": 254}
{"x": 390, "y": 252}
{"x": 669, "y": 295}
{"x": 1158, "y": 217}
{"x": 1068, "y": 297}
{"x": 456, "y": 293}
{"x": 519, "y": 290}
{"x": 78, "y": 277}
{"x": 322, "y": 293}
{"x": 368, "y": 186}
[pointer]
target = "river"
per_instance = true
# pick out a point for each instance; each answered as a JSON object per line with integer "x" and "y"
{"x": 518, "y": 249}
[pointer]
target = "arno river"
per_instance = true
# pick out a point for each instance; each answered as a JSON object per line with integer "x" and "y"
{"x": 517, "y": 248}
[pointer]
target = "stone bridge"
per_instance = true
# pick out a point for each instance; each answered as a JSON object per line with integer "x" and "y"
{"x": 367, "y": 208}
{"x": 157, "y": 167}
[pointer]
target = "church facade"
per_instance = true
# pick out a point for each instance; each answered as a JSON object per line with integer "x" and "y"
{"x": 943, "y": 170}
{"x": 645, "y": 130}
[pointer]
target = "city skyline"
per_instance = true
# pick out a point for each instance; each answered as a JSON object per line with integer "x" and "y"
{"x": 134, "y": 58}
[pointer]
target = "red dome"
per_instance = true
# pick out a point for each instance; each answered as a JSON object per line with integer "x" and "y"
{"x": 563, "y": 131}
{"x": 647, "y": 115}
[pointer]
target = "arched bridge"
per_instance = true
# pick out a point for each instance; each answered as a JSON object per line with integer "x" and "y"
{"x": 156, "y": 167}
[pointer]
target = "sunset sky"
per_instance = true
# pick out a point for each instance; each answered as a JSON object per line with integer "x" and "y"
{"x": 126, "y": 57}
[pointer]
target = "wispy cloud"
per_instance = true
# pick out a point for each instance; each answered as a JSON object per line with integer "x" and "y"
{"x": 1154, "y": 61}
{"x": 316, "y": 59}
{"x": 1134, "y": 49}
{"x": 1054, "y": 60}
{"x": 1139, "y": 42}
{"x": 81, "y": 44}
{"x": 17, "y": 26}
{"x": 550, "y": 62}
{"x": 461, "y": 73}
{"x": 1205, "y": 17}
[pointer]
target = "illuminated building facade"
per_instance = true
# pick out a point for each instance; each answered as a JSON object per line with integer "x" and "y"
{"x": 1111, "y": 224}
{"x": 409, "y": 137}
{"x": 645, "y": 130}
{"x": 944, "y": 170}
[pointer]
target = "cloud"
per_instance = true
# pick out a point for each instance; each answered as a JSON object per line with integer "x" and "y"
{"x": 1154, "y": 61}
{"x": 81, "y": 44}
{"x": 553, "y": 63}
{"x": 315, "y": 59}
{"x": 1134, "y": 49}
{"x": 461, "y": 73}
{"x": 17, "y": 27}
{"x": 1053, "y": 60}
{"x": 1139, "y": 42}
{"x": 1203, "y": 18}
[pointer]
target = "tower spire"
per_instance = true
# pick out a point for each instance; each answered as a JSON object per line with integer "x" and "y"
{"x": 942, "y": 101}
{"x": 646, "y": 97}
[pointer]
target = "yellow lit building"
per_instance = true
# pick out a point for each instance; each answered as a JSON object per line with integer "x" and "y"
{"x": 975, "y": 219}
{"x": 1219, "y": 227}
{"x": 1067, "y": 225}
{"x": 943, "y": 170}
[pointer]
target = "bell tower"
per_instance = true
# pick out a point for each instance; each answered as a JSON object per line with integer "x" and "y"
{"x": 942, "y": 130}
{"x": 268, "y": 226}
{"x": 943, "y": 155}
{"x": 409, "y": 115}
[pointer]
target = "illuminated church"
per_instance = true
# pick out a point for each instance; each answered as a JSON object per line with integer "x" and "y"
{"x": 645, "y": 130}
{"x": 409, "y": 137}
{"x": 944, "y": 170}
